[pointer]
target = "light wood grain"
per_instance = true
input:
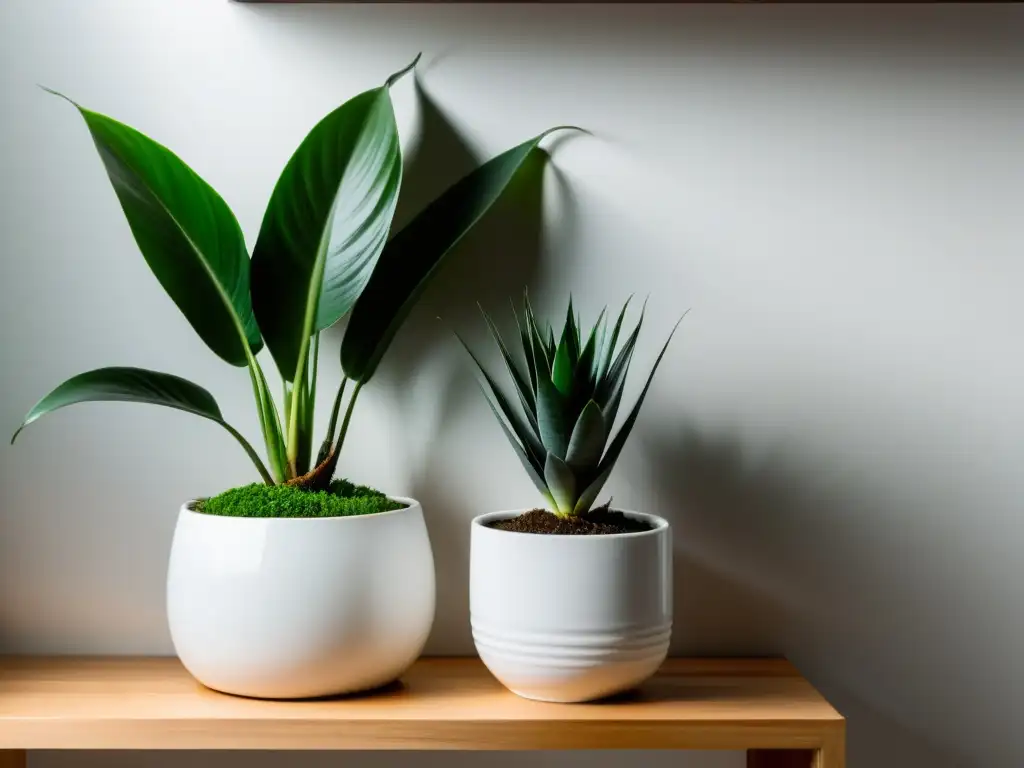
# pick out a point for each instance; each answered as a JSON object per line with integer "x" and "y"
{"x": 95, "y": 703}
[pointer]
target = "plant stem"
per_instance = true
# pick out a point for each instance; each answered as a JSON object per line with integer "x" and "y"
{"x": 269, "y": 424}
{"x": 348, "y": 417}
{"x": 294, "y": 411}
{"x": 313, "y": 373}
{"x": 308, "y": 412}
{"x": 260, "y": 466}
{"x": 325, "y": 446}
{"x": 333, "y": 425}
{"x": 293, "y": 426}
{"x": 274, "y": 420}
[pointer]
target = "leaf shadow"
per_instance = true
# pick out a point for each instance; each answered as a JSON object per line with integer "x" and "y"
{"x": 769, "y": 561}
{"x": 439, "y": 157}
{"x": 497, "y": 260}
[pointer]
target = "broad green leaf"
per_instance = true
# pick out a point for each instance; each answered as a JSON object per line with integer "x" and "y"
{"x": 588, "y": 438}
{"x": 525, "y": 432}
{"x": 137, "y": 385}
{"x": 561, "y": 483}
{"x": 609, "y": 350}
{"x": 615, "y": 448}
{"x": 185, "y": 231}
{"x": 563, "y": 367}
{"x": 551, "y": 417}
{"x": 326, "y": 224}
{"x": 414, "y": 255}
{"x": 523, "y": 389}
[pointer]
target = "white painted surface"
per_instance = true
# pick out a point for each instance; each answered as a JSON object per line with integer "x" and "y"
{"x": 297, "y": 608}
{"x": 835, "y": 435}
{"x": 584, "y": 616}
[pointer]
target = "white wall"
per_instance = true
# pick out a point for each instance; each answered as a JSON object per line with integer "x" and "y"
{"x": 836, "y": 434}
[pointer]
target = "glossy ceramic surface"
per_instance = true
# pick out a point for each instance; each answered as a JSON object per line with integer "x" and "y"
{"x": 571, "y": 618}
{"x": 295, "y": 608}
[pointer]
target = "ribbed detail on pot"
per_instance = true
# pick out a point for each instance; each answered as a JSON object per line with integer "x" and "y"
{"x": 571, "y": 649}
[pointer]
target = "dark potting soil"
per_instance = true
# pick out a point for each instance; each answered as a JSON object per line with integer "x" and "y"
{"x": 597, "y": 522}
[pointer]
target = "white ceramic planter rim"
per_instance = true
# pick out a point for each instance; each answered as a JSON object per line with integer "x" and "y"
{"x": 657, "y": 524}
{"x": 188, "y": 506}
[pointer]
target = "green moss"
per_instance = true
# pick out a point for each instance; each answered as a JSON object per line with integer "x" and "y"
{"x": 344, "y": 499}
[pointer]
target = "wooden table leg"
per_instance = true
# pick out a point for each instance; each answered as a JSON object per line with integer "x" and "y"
{"x": 783, "y": 758}
{"x": 13, "y": 758}
{"x": 832, "y": 755}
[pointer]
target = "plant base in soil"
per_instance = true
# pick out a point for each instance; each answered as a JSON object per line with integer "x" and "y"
{"x": 600, "y": 521}
{"x": 341, "y": 499}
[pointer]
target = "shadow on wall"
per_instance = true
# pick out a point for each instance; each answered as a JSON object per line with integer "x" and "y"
{"x": 767, "y": 562}
{"x": 499, "y": 258}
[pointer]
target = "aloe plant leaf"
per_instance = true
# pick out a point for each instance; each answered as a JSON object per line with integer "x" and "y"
{"x": 561, "y": 483}
{"x": 186, "y": 233}
{"x": 584, "y": 374}
{"x": 527, "y": 347}
{"x": 541, "y": 360}
{"x": 535, "y": 471}
{"x": 609, "y": 349}
{"x": 524, "y": 431}
{"x": 609, "y": 392}
{"x": 601, "y": 330}
{"x": 588, "y": 438}
{"x": 611, "y": 406}
{"x": 551, "y": 417}
{"x": 326, "y": 224}
{"x": 610, "y": 399}
{"x": 414, "y": 255}
{"x": 594, "y": 337}
{"x": 589, "y": 495}
{"x": 137, "y": 385}
{"x": 563, "y": 367}
{"x": 523, "y": 389}
{"x": 615, "y": 447}
{"x": 571, "y": 336}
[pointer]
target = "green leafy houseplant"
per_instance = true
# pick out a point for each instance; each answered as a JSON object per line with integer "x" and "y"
{"x": 324, "y": 251}
{"x": 569, "y": 392}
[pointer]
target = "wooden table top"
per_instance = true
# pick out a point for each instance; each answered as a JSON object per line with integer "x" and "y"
{"x": 153, "y": 703}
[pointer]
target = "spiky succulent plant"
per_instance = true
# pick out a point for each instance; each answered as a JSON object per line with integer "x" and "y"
{"x": 570, "y": 391}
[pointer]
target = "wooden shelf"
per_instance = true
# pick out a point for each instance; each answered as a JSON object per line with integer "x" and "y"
{"x": 153, "y": 703}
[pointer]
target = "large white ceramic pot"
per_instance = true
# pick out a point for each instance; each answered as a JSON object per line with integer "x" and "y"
{"x": 287, "y": 608}
{"x": 570, "y": 618}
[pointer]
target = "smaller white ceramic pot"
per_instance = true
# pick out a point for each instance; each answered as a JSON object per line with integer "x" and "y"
{"x": 570, "y": 618}
{"x": 287, "y": 608}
